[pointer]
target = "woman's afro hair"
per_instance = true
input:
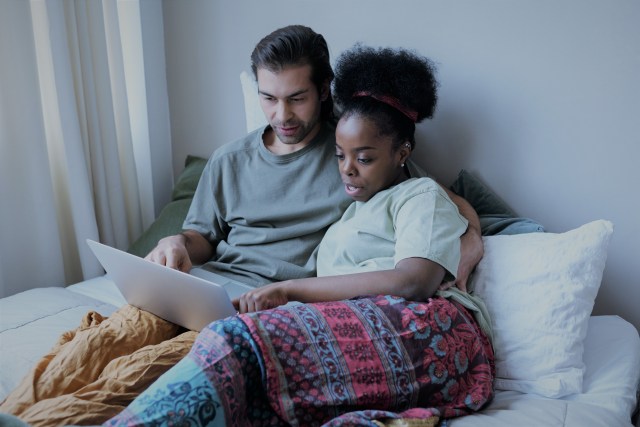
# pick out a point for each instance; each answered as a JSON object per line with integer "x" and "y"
{"x": 399, "y": 73}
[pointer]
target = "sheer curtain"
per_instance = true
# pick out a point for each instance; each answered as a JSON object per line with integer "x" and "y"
{"x": 74, "y": 148}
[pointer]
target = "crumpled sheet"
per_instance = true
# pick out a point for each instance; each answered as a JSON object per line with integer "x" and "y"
{"x": 93, "y": 372}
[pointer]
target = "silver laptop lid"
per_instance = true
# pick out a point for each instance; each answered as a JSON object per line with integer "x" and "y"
{"x": 175, "y": 296}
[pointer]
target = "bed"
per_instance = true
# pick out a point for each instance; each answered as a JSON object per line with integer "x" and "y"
{"x": 557, "y": 365}
{"x": 32, "y": 321}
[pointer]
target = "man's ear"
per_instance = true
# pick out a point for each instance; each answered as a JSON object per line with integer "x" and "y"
{"x": 325, "y": 90}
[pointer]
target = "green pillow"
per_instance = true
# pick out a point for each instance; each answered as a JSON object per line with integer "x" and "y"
{"x": 171, "y": 217}
{"x": 187, "y": 182}
{"x": 496, "y": 217}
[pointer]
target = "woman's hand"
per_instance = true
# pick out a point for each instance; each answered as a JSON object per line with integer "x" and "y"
{"x": 264, "y": 298}
{"x": 415, "y": 279}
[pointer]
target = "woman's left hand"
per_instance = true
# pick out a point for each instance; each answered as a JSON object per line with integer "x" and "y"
{"x": 263, "y": 298}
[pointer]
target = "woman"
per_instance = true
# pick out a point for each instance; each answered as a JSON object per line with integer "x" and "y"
{"x": 371, "y": 341}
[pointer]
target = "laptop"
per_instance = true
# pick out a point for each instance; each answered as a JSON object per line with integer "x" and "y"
{"x": 180, "y": 298}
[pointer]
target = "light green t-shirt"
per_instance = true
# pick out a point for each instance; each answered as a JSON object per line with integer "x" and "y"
{"x": 415, "y": 218}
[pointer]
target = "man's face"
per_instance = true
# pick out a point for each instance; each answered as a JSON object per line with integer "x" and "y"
{"x": 291, "y": 104}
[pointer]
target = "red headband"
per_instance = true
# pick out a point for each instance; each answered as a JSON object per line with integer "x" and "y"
{"x": 391, "y": 101}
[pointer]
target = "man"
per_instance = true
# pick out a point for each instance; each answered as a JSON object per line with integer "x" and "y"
{"x": 265, "y": 201}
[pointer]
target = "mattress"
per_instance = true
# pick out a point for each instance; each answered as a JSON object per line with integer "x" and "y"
{"x": 31, "y": 322}
{"x": 610, "y": 387}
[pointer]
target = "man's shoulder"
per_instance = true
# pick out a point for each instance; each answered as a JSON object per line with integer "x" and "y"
{"x": 246, "y": 143}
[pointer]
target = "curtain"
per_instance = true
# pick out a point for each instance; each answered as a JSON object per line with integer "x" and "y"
{"x": 74, "y": 148}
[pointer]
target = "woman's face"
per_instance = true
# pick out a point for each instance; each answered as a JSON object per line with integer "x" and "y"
{"x": 367, "y": 161}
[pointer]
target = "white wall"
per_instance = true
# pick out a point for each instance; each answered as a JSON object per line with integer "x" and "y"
{"x": 541, "y": 99}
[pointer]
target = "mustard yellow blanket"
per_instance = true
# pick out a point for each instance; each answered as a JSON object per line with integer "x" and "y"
{"x": 93, "y": 372}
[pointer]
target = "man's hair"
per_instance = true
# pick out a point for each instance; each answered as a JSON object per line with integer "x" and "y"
{"x": 296, "y": 45}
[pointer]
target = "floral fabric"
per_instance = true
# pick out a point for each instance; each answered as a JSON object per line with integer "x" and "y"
{"x": 355, "y": 362}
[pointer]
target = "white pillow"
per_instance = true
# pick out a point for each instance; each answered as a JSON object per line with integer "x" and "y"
{"x": 539, "y": 289}
{"x": 254, "y": 115}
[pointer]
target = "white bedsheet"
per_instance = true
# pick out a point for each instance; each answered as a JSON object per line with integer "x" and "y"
{"x": 31, "y": 322}
{"x": 612, "y": 356}
{"x": 100, "y": 288}
{"x": 611, "y": 381}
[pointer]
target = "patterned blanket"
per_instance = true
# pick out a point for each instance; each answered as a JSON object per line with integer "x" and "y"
{"x": 366, "y": 362}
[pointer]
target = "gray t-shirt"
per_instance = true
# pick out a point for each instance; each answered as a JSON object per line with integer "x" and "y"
{"x": 267, "y": 212}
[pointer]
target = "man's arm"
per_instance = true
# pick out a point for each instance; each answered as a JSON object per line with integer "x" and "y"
{"x": 471, "y": 246}
{"x": 182, "y": 251}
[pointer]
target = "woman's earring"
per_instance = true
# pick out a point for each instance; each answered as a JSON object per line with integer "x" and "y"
{"x": 402, "y": 165}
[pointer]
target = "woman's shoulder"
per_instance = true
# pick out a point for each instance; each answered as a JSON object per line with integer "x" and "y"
{"x": 418, "y": 190}
{"x": 395, "y": 197}
{"x": 414, "y": 186}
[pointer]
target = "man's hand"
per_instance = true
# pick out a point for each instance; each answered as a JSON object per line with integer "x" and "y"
{"x": 264, "y": 298}
{"x": 172, "y": 252}
{"x": 471, "y": 252}
{"x": 471, "y": 246}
